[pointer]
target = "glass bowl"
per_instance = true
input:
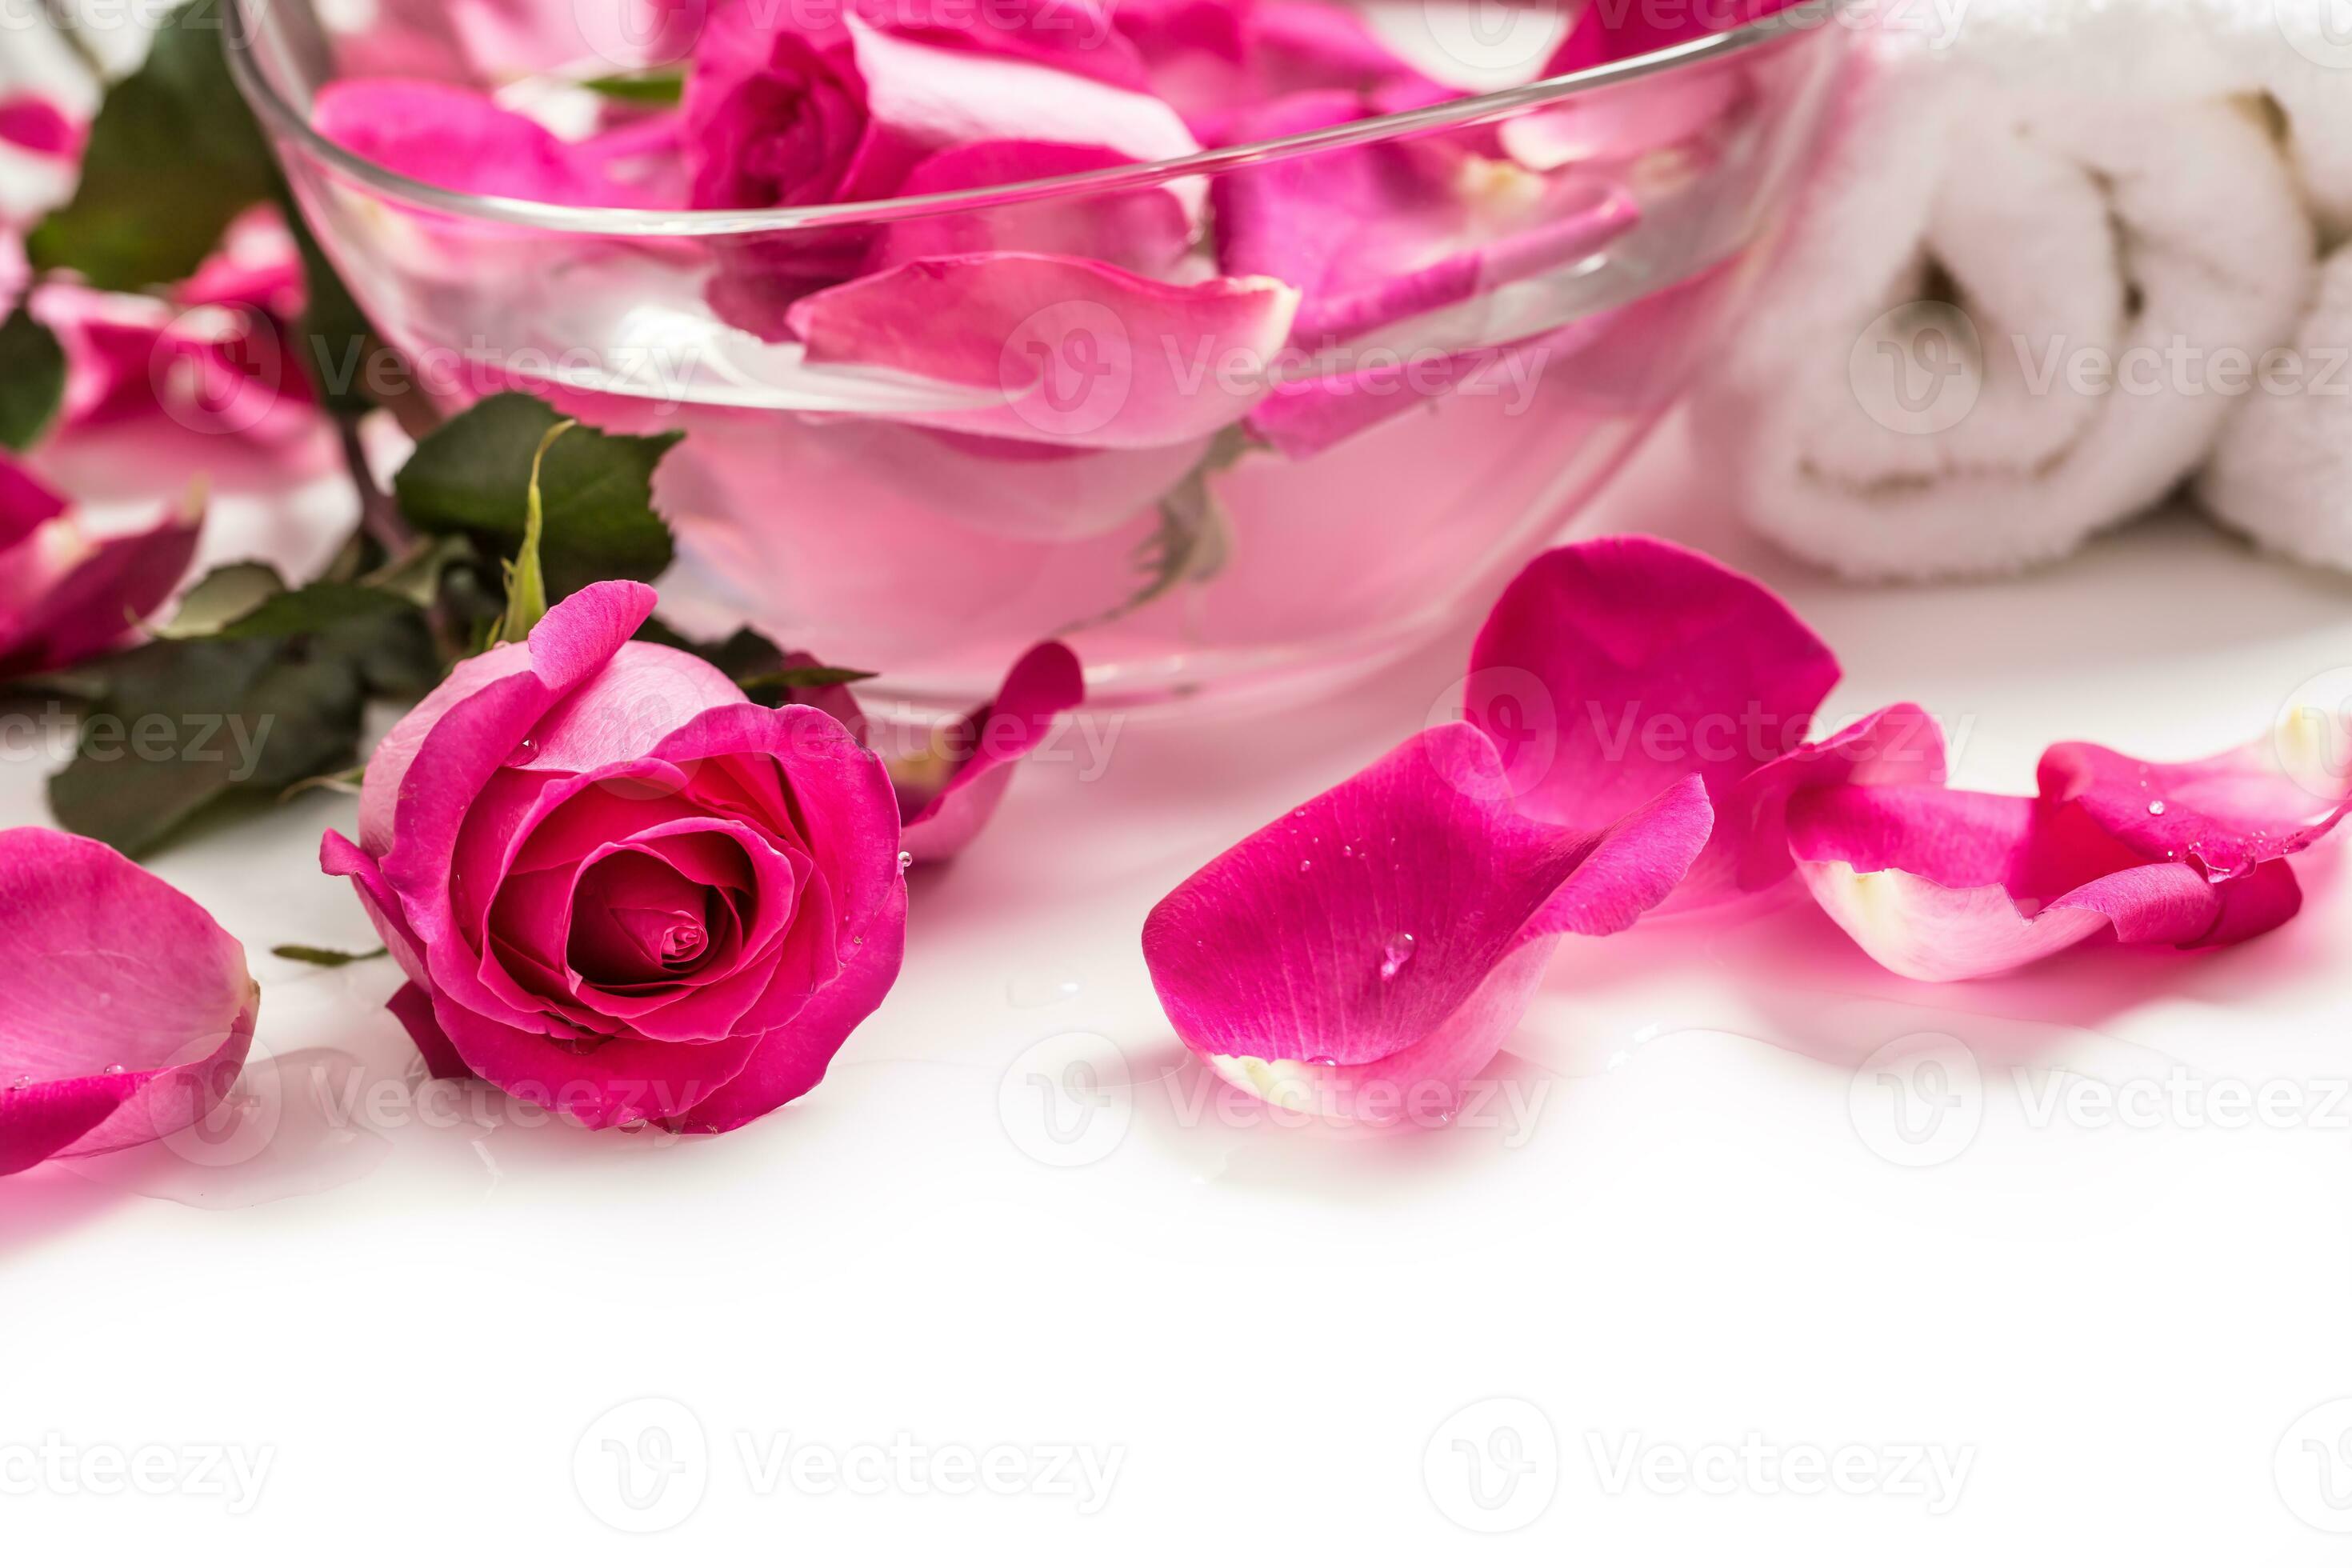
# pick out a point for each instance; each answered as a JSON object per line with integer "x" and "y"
{"x": 1010, "y": 428}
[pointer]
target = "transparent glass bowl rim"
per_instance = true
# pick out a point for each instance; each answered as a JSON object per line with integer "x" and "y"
{"x": 294, "y": 127}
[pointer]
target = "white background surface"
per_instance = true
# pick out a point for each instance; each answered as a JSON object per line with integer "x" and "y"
{"x": 1693, "y": 1231}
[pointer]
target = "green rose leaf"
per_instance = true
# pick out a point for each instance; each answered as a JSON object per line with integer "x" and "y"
{"x": 172, "y": 156}
{"x": 472, "y": 477}
{"x": 32, "y": 379}
{"x": 660, "y": 90}
{"x": 752, "y": 661}
{"x": 324, "y": 957}
{"x": 273, "y": 699}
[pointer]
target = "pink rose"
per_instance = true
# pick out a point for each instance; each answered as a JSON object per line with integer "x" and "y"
{"x": 783, "y": 132}
{"x": 618, "y": 888}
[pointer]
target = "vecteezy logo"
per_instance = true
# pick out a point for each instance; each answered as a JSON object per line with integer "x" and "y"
{"x": 1917, "y": 369}
{"x": 1917, "y": 1101}
{"x": 216, "y": 368}
{"x": 1494, "y": 42}
{"x": 2318, "y": 30}
{"x": 642, "y": 1466}
{"x": 1067, "y": 1101}
{"x": 1494, "y": 1466}
{"x": 2312, "y": 1467}
{"x": 240, "y": 1117}
{"x": 1068, "y": 368}
{"x": 2312, "y": 737}
{"x": 637, "y": 35}
{"x": 1514, "y": 707}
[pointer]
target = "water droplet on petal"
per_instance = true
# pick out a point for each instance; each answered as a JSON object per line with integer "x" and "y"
{"x": 906, "y": 858}
{"x": 1303, "y": 864}
{"x": 2156, "y": 808}
{"x": 1395, "y": 953}
{"x": 113, "y": 1068}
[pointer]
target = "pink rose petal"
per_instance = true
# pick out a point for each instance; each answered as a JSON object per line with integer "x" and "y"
{"x": 36, "y": 125}
{"x": 2222, "y": 814}
{"x": 1146, "y": 231}
{"x": 459, "y": 140}
{"x": 65, "y": 595}
{"x": 1062, "y": 350}
{"x": 925, "y": 98}
{"x": 1611, "y": 667}
{"x": 1371, "y": 950}
{"x": 1942, "y": 884}
{"x": 1899, "y": 744}
{"x": 944, "y": 813}
{"x": 125, "y": 1011}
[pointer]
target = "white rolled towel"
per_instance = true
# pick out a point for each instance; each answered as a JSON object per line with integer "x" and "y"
{"x": 2283, "y": 469}
{"x": 2012, "y": 306}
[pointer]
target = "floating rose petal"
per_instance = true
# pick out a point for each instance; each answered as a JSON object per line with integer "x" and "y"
{"x": 2224, "y": 815}
{"x": 1942, "y": 884}
{"x": 1066, "y": 351}
{"x": 1405, "y": 262}
{"x": 1147, "y": 230}
{"x": 1078, "y": 36}
{"x": 922, "y": 99}
{"x": 125, "y": 1011}
{"x": 1365, "y": 954}
{"x": 456, "y": 139}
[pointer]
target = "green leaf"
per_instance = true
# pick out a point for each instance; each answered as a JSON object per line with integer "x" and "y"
{"x": 226, "y": 593}
{"x": 662, "y": 90}
{"x": 806, "y": 675}
{"x": 182, "y": 724}
{"x": 172, "y": 156}
{"x": 319, "y": 607}
{"x": 526, "y": 580}
{"x": 472, "y": 475}
{"x": 32, "y": 379}
{"x": 325, "y": 957}
{"x": 752, "y": 661}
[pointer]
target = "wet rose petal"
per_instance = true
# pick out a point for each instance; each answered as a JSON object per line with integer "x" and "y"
{"x": 125, "y": 1011}
{"x": 1646, "y": 661}
{"x": 1364, "y": 955}
{"x": 1148, "y": 231}
{"x": 2222, "y": 814}
{"x": 1061, "y": 351}
{"x": 1941, "y": 884}
{"x": 923, "y": 97}
{"x": 458, "y": 139}
{"x": 1611, "y": 667}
